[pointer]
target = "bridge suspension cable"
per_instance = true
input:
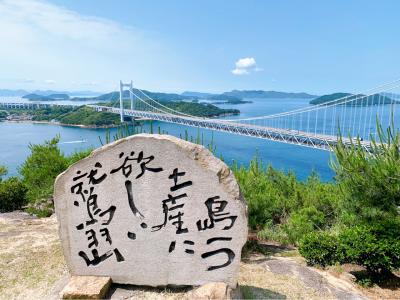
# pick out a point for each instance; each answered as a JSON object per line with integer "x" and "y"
{"x": 313, "y": 126}
{"x": 339, "y": 101}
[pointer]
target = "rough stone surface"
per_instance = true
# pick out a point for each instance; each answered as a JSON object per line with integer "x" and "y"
{"x": 211, "y": 291}
{"x": 152, "y": 210}
{"x": 86, "y": 287}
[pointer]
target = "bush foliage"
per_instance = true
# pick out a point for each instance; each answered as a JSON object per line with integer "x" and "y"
{"x": 320, "y": 248}
{"x": 283, "y": 208}
{"x": 376, "y": 247}
{"x": 12, "y": 194}
{"x": 44, "y": 164}
{"x": 354, "y": 220}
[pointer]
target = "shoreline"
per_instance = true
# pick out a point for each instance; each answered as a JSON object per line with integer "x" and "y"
{"x": 95, "y": 126}
{"x": 63, "y": 124}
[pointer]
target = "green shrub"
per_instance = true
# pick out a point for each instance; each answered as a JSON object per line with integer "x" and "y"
{"x": 41, "y": 168}
{"x": 77, "y": 156}
{"x": 302, "y": 222}
{"x": 369, "y": 181}
{"x": 320, "y": 248}
{"x": 284, "y": 208}
{"x": 274, "y": 233}
{"x": 376, "y": 247}
{"x": 44, "y": 164}
{"x": 12, "y": 194}
{"x": 367, "y": 246}
{"x": 3, "y": 172}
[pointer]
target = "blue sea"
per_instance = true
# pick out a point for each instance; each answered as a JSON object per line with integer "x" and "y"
{"x": 16, "y": 137}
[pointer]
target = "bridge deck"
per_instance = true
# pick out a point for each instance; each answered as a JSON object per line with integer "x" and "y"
{"x": 325, "y": 142}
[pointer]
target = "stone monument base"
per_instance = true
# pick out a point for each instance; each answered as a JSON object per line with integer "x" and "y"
{"x": 95, "y": 287}
{"x": 86, "y": 287}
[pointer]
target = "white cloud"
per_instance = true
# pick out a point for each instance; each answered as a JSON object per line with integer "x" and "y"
{"x": 239, "y": 71}
{"x": 245, "y": 66}
{"x": 246, "y": 63}
{"x": 40, "y": 39}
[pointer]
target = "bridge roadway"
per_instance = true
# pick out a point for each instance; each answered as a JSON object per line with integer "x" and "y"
{"x": 325, "y": 142}
{"x": 25, "y": 105}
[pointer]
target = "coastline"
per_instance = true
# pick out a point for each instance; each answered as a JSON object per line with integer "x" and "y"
{"x": 63, "y": 124}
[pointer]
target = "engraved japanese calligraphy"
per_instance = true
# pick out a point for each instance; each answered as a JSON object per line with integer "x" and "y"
{"x": 152, "y": 210}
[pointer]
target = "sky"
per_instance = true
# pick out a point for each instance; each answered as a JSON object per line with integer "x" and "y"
{"x": 209, "y": 46}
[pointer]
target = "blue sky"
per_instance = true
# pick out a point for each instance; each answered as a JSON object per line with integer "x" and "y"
{"x": 312, "y": 46}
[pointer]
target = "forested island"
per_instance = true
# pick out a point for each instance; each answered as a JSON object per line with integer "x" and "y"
{"x": 267, "y": 94}
{"x": 51, "y": 97}
{"x": 86, "y": 116}
{"x": 171, "y": 97}
{"x": 359, "y": 99}
{"x": 193, "y": 108}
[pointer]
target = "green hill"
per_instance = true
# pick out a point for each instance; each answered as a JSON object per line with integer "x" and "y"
{"x": 192, "y": 108}
{"x": 267, "y": 94}
{"x": 359, "y": 99}
{"x": 113, "y": 96}
{"x": 51, "y": 97}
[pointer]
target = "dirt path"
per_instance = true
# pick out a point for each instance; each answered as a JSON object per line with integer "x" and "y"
{"x": 32, "y": 267}
{"x": 31, "y": 260}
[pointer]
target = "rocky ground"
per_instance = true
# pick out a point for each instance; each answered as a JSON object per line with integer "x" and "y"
{"x": 32, "y": 267}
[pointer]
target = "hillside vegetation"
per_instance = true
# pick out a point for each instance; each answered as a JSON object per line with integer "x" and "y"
{"x": 51, "y": 97}
{"x": 267, "y": 94}
{"x": 359, "y": 99}
{"x": 192, "y": 108}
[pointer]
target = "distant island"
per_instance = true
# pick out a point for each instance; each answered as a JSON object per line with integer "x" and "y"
{"x": 21, "y": 93}
{"x": 267, "y": 94}
{"x": 51, "y": 97}
{"x": 232, "y": 97}
{"x": 359, "y": 99}
{"x": 172, "y": 97}
{"x": 237, "y": 96}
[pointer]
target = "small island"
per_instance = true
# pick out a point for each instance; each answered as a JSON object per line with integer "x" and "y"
{"x": 51, "y": 97}
{"x": 359, "y": 99}
{"x": 226, "y": 99}
{"x": 267, "y": 94}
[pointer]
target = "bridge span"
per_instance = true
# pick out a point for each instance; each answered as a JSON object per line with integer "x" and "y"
{"x": 26, "y": 105}
{"x": 325, "y": 142}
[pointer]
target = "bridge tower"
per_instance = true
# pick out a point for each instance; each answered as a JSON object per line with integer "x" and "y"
{"x": 131, "y": 95}
{"x": 121, "y": 97}
{"x": 121, "y": 100}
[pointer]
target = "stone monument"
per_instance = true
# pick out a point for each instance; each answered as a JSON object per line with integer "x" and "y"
{"x": 152, "y": 210}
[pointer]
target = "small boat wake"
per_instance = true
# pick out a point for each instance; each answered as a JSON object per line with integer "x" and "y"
{"x": 75, "y": 142}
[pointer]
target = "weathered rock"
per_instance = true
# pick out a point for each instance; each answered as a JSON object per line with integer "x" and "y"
{"x": 152, "y": 210}
{"x": 86, "y": 287}
{"x": 212, "y": 291}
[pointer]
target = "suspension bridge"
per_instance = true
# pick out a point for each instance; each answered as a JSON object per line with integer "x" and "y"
{"x": 354, "y": 117}
{"x": 318, "y": 126}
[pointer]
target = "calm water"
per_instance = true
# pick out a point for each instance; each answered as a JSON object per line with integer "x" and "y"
{"x": 17, "y": 136}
